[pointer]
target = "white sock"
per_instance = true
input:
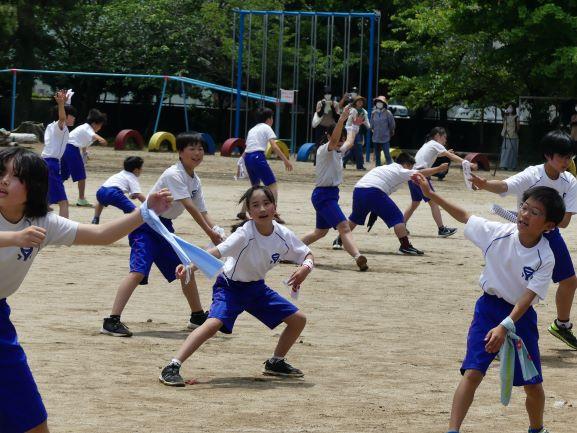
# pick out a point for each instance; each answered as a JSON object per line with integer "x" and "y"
{"x": 175, "y": 361}
{"x": 276, "y": 358}
{"x": 357, "y": 256}
{"x": 564, "y": 324}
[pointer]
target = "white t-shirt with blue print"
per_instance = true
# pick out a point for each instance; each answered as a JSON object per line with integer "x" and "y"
{"x": 510, "y": 268}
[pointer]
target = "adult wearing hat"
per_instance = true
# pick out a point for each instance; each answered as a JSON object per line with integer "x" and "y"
{"x": 382, "y": 128}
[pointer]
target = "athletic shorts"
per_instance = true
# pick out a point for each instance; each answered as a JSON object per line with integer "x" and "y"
{"x": 563, "y": 265}
{"x": 230, "y": 298}
{"x": 325, "y": 200}
{"x": 258, "y": 169}
{"x": 367, "y": 200}
{"x": 72, "y": 164}
{"x": 490, "y": 312}
{"x": 148, "y": 247}
{"x": 21, "y": 407}
{"x": 416, "y": 193}
{"x": 113, "y": 196}
{"x": 56, "y": 191}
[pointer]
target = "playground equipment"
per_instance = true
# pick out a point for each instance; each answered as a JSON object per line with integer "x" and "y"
{"x": 305, "y": 152}
{"x": 160, "y": 139}
{"x": 481, "y": 160}
{"x": 232, "y": 144}
{"x": 282, "y": 146}
{"x": 210, "y": 144}
{"x": 128, "y": 135}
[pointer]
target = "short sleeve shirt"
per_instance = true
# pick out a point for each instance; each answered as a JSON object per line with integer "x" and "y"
{"x": 181, "y": 185}
{"x": 427, "y": 154}
{"x": 15, "y": 261}
{"x": 258, "y": 138}
{"x": 55, "y": 140}
{"x": 251, "y": 255}
{"x": 329, "y": 168}
{"x": 82, "y": 136}
{"x": 387, "y": 178}
{"x": 510, "y": 268}
{"x": 126, "y": 181}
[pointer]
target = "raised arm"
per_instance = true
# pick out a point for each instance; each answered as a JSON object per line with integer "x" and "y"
{"x": 338, "y": 131}
{"x": 495, "y": 186}
{"x": 455, "y": 211}
{"x": 60, "y": 98}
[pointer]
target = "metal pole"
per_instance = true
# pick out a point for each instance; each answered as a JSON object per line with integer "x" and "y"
{"x": 185, "y": 106}
{"x": 160, "y": 105}
{"x": 239, "y": 75}
{"x": 248, "y": 61}
{"x": 231, "y": 74}
{"x": 370, "y": 83}
{"x": 296, "y": 71}
{"x": 279, "y": 75}
{"x": 13, "y": 109}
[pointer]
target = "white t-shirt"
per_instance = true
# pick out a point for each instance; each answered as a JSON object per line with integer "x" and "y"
{"x": 181, "y": 186}
{"x": 510, "y": 268}
{"x": 126, "y": 181}
{"x": 15, "y": 261}
{"x": 387, "y": 178}
{"x": 82, "y": 136}
{"x": 329, "y": 168}
{"x": 55, "y": 140}
{"x": 565, "y": 185}
{"x": 251, "y": 255}
{"x": 427, "y": 154}
{"x": 258, "y": 137}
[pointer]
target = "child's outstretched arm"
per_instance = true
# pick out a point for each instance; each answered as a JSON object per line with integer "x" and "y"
{"x": 30, "y": 237}
{"x": 427, "y": 172}
{"x": 100, "y": 139}
{"x": 287, "y": 164}
{"x": 139, "y": 196}
{"x": 456, "y": 158}
{"x": 60, "y": 99}
{"x": 90, "y": 234}
{"x": 180, "y": 271}
{"x": 455, "y": 211}
{"x": 496, "y": 186}
{"x": 302, "y": 272}
{"x": 496, "y": 336}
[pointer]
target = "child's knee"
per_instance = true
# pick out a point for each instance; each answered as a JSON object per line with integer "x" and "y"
{"x": 474, "y": 377}
{"x": 297, "y": 320}
{"x": 569, "y": 283}
{"x": 343, "y": 227}
{"x": 535, "y": 390}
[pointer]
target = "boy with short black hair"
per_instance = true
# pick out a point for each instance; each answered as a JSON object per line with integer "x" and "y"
{"x": 148, "y": 247}
{"x": 559, "y": 151}
{"x": 518, "y": 268}
{"x": 112, "y": 192}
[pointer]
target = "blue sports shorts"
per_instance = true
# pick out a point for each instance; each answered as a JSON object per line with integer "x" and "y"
{"x": 367, "y": 200}
{"x": 72, "y": 164}
{"x": 56, "y": 191}
{"x": 325, "y": 200}
{"x": 258, "y": 169}
{"x": 112, "y": 195}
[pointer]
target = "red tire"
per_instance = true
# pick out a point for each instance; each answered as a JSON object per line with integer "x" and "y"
{"x": 481, "y": 160}
{"x": 127, "y": 134}
{"x": 229, "y": 145}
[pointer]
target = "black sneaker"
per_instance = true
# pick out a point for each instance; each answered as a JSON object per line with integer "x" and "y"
{"x": 280, "y": 368}
{"x": 170, "y": 375}
{"x": 197, "y": 319}
{"x": 563, "y": 334}
{"x": 445, "y": 232}
{"x": 338, "y": 243}
{"x": 96, "y": 220}
{"x": 113, "y": 326}
{"x": 410, "y": 251}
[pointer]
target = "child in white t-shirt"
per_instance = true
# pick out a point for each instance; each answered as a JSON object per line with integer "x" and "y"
{"x": 518, "y": 268}
{"x": 112, "y": 192}
{"x": 251, "y": 251}
{"x": 26, "y": 227}
{"x": 72, "y": 160}
{"x": 425, "y": 157}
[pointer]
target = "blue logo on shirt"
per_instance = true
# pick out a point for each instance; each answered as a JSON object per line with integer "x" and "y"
{"x": 528, "y": 272}
{"x": 274, "y": 258}
{"x": 25, "y": 253}
{"x": 193, "y": 193}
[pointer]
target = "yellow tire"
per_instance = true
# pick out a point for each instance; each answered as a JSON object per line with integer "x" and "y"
{"x": 283, "y": 148}
{"x": 572, "y": 169}
{"x": 157, "y": 139}
{"x": 394, "y": 153}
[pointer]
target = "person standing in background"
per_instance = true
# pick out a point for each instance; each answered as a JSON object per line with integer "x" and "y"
{"x": 383, "y": 128}
{"x": 510, "y": 134}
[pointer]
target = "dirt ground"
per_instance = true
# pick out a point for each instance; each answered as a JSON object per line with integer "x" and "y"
{"x": 381, "y": 350}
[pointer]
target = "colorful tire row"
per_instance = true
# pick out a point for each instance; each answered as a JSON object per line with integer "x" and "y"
{"x": 159, "y": 141}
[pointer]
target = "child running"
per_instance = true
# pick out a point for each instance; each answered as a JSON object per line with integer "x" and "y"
{"x": 251, "y": 251}
{"x": 425, "y": 158}
{"x": 72, "y": 161}
{"x": 325, "y": 196}
{"x": 124, "y": 182}
{"x": 26, "y": 227}
{"x": 559, "y": 151}
{"x": 148, "y": 247}
{"x": 372, "y": 194}
{"x": 518, "y": 268}
{"x": 55, "y": 140}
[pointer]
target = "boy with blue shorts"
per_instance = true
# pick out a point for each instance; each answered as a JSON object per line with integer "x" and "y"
{"x": 147, "y": 247}
{"x": 325, "y": 196}
{"x": 73, "y": 161}
{"x": 112, "y": 192}
{"x": 559, "y": 151}
{"x": 55, "y": 140}
{"x": 372, "y": 195}
{"x": 518, "y": 267}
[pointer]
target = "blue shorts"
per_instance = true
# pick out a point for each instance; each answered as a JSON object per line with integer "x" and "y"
{"x": 72, "y": 164}
{"x": 490, "y": 312}
{"x": 230, "y": 298}
{"x": 56, "y": 191}
{"x": 21, "y": 408}
{"x": 416, "y": 193}
{"x": 563, "y": 265}
{"x": 112, "y": 195}
{"x": 258, "y": 169}
{"x": 148, "y": 247}
{"x": 325, "y": 200}
{"x": 367, "y": 200}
